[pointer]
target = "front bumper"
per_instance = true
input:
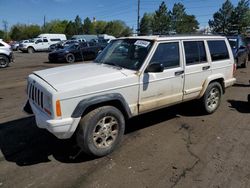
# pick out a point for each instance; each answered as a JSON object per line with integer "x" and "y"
{"x": 12, "y": 57}
{"x": 57, "y": 58}
{"x": 61, "y": 128}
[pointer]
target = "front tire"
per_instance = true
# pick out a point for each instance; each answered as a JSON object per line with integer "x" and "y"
{"x": 4, "y": 61}
{"x": 212, "y": 97}
{"x": 30, "y": 50}
{"x": 70, "y": 58}
{"x": 100, "y": 131}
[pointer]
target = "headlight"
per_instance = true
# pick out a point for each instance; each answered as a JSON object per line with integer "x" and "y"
{"x": 47, "y": 104}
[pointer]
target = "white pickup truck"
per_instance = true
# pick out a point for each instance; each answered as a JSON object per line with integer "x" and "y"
{"x": 41, "y": 43}
{"x": 130, "y": 76}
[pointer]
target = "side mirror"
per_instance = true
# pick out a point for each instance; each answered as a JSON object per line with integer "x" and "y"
{"x": 100, "y": 51}
{"x": 155, "y": 67}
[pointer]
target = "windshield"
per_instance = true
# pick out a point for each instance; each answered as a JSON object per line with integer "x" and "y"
{"x": 125, "y": 53}
{"x": 71, "y": 47}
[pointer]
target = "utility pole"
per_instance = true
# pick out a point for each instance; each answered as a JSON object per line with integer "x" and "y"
{"x": 44, "y": 22}
{"x": 5, "y": 26}
{"x": 138, "y": 18}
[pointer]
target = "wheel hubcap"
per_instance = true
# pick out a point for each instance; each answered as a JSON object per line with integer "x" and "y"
{"x": 2, "y": 62}
{"x": 70, "y": 58}
{"x": 213, "y": 99}
{"x": 105, "y": 132}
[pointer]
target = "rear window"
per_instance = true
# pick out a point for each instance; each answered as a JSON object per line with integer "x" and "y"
{"x": 195, "y": 52}
{"x": 218, "y": 50}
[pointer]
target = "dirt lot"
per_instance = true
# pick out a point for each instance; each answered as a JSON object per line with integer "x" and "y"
{"x": 173, "y": 147}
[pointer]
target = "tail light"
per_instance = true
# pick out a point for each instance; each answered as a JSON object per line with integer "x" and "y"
{"x": 234, "y": 68}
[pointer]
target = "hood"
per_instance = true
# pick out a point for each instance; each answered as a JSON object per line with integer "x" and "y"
{"x": 72, "y": 77}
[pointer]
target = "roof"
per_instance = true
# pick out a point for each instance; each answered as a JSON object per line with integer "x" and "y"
{"x": 176, "y": 37}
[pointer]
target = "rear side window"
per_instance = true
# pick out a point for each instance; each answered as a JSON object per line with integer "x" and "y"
{"x": 167, "y": 54}
{"x": 195, "y": 52}
{"x": 53, "y": 40}
{"x": 218, "y": 50}
{"x": 1, "y": 44}
{"x": 45, "y": 40}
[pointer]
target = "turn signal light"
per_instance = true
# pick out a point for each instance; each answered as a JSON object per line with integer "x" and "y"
{"x": 58, "y": 109}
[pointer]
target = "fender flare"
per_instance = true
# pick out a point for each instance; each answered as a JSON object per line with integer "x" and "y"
{"x": 208, "y": 81}
{"x": 85, "y": 103}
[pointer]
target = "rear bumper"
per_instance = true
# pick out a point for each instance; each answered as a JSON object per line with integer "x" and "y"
{"x": 230, "y": 82}
{"x": 62, "y": 128}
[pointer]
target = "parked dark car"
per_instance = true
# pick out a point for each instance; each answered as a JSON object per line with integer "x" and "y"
{"x": 240, "y": 50}
{"x": 76, "y": 52}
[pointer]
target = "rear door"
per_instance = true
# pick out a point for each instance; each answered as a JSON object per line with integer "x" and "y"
{"x": 197, "y": 67}
{"x": 163, "y": 88}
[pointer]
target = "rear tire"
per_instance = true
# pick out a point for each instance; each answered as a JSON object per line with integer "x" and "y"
{"x": 100, "y": 131}
{"x": 4, "y": 61}
{"x": 70, "y": 58}
{"x": 212, "y": 97}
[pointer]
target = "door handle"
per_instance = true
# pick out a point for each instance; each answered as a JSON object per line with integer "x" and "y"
{"x": 179, "y": 73}
{"x": 206, "y": 68}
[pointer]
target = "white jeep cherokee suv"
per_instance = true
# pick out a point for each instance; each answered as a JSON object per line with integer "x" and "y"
{"x": 130, "y": 76}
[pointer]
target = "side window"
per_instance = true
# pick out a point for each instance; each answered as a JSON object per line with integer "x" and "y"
{"x": 195, "y": 52}
{"x": 53, "y": 40}
{"x": 45, "y": 40}
{"x": 218, "y": 50}
{"x": 91, "y": 44}
{"x": 39, "y": 41}
{"x": 84, "y": 44}
{"x": 1, "y": 44}
{"x": 167, "y": 54}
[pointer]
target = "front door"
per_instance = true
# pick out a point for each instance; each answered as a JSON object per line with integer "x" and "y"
{"x": 159, "y": 89}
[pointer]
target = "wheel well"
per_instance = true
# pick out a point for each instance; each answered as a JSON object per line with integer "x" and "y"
{"x": 5, "y": 56}
{"x": 221, "y": 82}
{"x": 31, "y": 47}
{"x": 115, "y": 103}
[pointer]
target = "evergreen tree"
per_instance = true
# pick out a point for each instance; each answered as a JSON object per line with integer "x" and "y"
{"x": 181, "y": 22}
{"x": 222, "y": 20}
{"x": 161, "y": 20}
{"x": 70, "y": 29}
{"x": 78, "y": 25}
{"x": 145, "y": 24}
{"x": 240, "y": 16}
{"x": 88, "y": 26}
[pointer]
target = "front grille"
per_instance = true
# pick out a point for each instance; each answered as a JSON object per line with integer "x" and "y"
{"x": 35, "y": 95}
